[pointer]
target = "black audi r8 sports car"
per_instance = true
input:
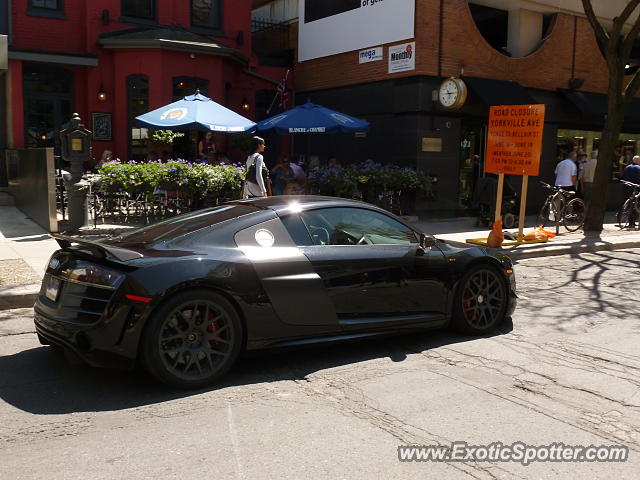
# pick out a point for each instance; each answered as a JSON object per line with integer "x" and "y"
{"x": 186, "y": 295}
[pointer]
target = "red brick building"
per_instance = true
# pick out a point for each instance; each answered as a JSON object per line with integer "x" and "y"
{"x": 506, "y": 52}
{"x": 110, "y": 60}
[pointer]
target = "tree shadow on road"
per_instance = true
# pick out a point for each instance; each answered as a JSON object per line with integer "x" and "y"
{"x": 558, "y": 289}
{"x": 40, "y": 381}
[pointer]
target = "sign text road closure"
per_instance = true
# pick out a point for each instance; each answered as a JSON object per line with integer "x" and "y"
{"x": 514, "y": 141}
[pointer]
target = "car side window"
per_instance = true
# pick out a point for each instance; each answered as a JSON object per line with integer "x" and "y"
{"x": 355, "y": 226}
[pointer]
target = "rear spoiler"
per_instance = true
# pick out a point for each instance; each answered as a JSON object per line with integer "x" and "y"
{"x": 97, "y": 249}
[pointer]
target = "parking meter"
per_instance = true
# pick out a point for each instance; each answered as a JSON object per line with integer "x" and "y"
{"x": 75, "y": 146}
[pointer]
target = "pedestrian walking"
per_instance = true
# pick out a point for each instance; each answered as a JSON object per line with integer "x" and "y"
{"x": 255, "y": 184}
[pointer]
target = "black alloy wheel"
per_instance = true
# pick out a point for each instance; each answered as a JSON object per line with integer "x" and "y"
{"x": 192, "y": 340}
{"x": 481, "y": 301}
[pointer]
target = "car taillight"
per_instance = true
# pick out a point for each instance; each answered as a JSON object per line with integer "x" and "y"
{"x": 96, "y": 274}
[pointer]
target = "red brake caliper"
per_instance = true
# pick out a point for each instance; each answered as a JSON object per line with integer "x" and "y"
{"x": 466, "y": 303}
{"x": 211, "y": 328}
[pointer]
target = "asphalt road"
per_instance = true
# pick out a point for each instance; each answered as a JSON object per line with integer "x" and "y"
{"x": 567, "y": 369}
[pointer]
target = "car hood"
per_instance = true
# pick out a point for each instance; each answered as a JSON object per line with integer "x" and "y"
{"x": 452, "y": 248}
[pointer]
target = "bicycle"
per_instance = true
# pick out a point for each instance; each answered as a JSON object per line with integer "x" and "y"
{"x": 558, "y": 210}
{"x": 629, "y": 212}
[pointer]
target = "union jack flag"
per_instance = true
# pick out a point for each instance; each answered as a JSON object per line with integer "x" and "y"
{"x": 283, "y": 92}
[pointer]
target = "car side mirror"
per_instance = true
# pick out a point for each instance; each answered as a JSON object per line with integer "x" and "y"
{"x": 426, "y": 241}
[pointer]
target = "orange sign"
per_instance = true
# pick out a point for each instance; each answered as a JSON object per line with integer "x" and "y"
{"x": 514, "y": 141}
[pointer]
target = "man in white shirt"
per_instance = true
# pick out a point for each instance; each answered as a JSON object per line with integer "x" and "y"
{"x": 567, "y": 172}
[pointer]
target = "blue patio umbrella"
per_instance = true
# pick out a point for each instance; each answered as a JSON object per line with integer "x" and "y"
{"x": 195, "y": 112}
{"x": 312, "y": 118}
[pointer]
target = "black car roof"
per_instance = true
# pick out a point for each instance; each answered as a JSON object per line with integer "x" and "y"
{"x": 283, "y": 202}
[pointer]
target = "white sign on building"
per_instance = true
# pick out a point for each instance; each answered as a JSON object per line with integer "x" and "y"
{"x": 4, "y": 55}
{"x": 402, "y": 57}
{"x": 329, "y": 27}
{"x": 370, "y": 55}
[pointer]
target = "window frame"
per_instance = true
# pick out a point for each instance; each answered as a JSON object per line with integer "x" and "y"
{"x": 131, "y": 97}
{"x": 218, "y": 29}
{"x": 127, "y": 18}
{"x": 415, "y": 239}
{"x": 57, "y": 13}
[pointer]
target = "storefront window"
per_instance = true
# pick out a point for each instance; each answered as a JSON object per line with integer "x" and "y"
{"x": 138, "y": 86}
{"x": 48, "y": 94}
{"x": 586, "y": 141}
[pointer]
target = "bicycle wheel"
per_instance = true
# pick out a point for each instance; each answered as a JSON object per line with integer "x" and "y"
{"x": 627, "y": 216}
{"x": 546, "y": 215}
{"x": 573, "y": 215}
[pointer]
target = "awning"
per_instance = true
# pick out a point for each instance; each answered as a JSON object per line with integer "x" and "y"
{"x": 168, "y": 38}
{"x": 53, "y": 57}
{"x": 498, "y": 92}
{"x": 594, "y": 105}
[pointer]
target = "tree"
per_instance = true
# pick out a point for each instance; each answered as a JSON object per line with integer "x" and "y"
{"x": 615, "y": 46}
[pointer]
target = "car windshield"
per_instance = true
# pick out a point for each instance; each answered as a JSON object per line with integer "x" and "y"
{"x": 176, "y": 226}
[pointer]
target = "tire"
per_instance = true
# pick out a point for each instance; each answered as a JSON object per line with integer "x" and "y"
{"x": 480, "y": 302}
{"x": 192, "y": 339}
{"x": 624, "y": 215}
{"x": 544, "y": 217}
{"x": 573, "y": 217}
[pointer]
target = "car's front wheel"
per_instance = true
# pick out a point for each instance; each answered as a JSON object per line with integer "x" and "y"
{"x": 192, "y": 340}
{"x": 481, "y": 301}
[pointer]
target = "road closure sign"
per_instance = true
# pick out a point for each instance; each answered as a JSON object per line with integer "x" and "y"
{"x": 514, "y": 140}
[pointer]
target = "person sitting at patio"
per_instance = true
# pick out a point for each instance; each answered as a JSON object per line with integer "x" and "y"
{"x": 107, "y": 156}
{"x": 254, "y": 184}
{"x": 299, "y": 184}
{"x": 207, "y": 149}
{"x": 281, "y": 175}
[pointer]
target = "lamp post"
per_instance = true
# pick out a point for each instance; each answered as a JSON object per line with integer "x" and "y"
{"x": 75, "y": 143}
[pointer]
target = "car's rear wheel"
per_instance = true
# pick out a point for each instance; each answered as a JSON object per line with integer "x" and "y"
{"x": 192, "y": 340}
{"x": 481, "y": 301}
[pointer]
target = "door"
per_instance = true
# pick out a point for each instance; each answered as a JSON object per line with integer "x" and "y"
{"x": 471, "y": 163}
{"x": 373, "y": 267}
{"x": 294, "y": 289}
{"x": 47, "y": 106}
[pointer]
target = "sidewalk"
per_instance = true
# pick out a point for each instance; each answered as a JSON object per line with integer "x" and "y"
{"x": 611, "y": 237}
{"x": 25, "y": 248}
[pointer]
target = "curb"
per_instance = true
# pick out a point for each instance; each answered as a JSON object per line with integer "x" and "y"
{"x": 18, "y": 296}
{"x": 554, "y": 250}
